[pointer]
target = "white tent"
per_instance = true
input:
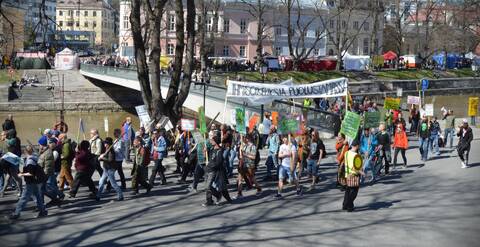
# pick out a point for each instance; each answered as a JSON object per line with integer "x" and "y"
{"x": 66, "y": 60}
{"x": 358, "y": 63}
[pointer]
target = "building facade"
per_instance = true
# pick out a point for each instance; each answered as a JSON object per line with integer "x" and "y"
{"x": 236, "y": 36}
{"x": 87, "y": 21}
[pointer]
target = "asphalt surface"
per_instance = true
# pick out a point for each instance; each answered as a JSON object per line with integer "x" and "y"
{"x": 431, "y": 204}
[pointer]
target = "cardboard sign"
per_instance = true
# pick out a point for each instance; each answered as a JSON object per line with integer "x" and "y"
{"x": 275, "y": 118}
{"x": 472, "y": 106}
{"x": 391, "y": 103}
{"x": 240, "y": 120}
{"x": 200, "y": 141}
{"x": 143, "y": 115}
{"x": 350, "y": 124}
{"x": 253, "y": 121}
{"x": 372, "y": 119}
{"x": 429, "y": 110}
{"x": 414, "y": 100}
{"x": 187, "y": 124}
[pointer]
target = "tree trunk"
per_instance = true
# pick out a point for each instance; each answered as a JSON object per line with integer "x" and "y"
{"x": 260, "y": 26}
{"x": 202, "y": 34}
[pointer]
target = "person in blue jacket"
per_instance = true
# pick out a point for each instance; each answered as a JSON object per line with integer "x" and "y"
{"x": 368, "y": 143}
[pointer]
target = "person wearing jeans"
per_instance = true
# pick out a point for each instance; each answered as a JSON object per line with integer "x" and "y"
{"x": 108, "y": 160}
{"x": 119, "y": 149}
{"x": 160, "y": 151}
{"x": 450, "y": 128}
{"x": 368, "y": 142}
{"x": 423, "y": 138}
{"x": 47, "y": 162}
{"x": 400, "y": 143}
{"x": 434, "y": 135}
{"x": 273, "y": 145}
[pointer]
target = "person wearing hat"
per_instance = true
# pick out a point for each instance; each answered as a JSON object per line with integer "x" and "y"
{"x": 47, "y": 134}
{"x": 213, "y": 171}
{"x": 109, "y": 166}
{"x": 353, "y": 169}
{"x": 67, "y": 155}
{"x": 47, "y": 161}
{"x": 465, "y": 135}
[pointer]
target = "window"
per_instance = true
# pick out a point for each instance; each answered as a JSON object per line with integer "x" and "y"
{"x": 332, "y": 24}
{"x": 94, "y": 24}
{"x": 344, "y": 24}
{"x": 70, "y": 13}
{"x": 355, "y": 25}
{"x": 77, "y": 24}
{"x": 366, "y": 26}
{"x": 365, "y": 46}
{"x": 60, "y": 13}
{"x": 69, "y": 23}
{"x": 315, "y": 52}
{"x": 60, "y": 23}
{"x": 243, "y": 25}
{"x": 85, "y": 24}
{"x": 226, "y": 51}
{"x": 94, "y": 13}
{"x": 170, "y": 49}
{"x": 85, "y": 13}
{"x": 125, "y": 21}
{"x": 318, "y": 33}
{"x": 278, "y": 51}
{"x": 226, "y": 25}
{"x": 278, "y": 31}
{"x": 124, "y": 44}
{"x": 171, "y": 23}
{"x": 242, "y": 51}
{"x": 209, "y": 24}
{"x": 77, "y": 13}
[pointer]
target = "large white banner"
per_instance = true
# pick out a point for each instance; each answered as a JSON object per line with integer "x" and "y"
{"x": 260, "y": 93}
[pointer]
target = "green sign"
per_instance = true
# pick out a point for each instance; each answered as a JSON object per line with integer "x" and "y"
{"x": 200, "y": 141}
{"x": 240, "y": 120}
{"x": 287, "y": 125}
{"x": 202, "y": 122}
{"x": 372, "y": 119}
{"x": 350, "y": 124}
{"x": 391, "y": 103}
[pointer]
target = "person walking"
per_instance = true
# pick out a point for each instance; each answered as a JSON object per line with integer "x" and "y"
{"x": 119, "y": 148}
{"x": 400, "y": 144}
{"x": 353, "y": 170}
{"x": 84, "y": 170}
{"x": 341, "y": 146}
{"x": 315, "y": 156}
{"x": 128, "y": 134}
{"x": 140, "y": 166}
{"x": 414, "y": 119}
{"x": 66, "y": 159}
{"x": 273, "y": 142}
{"x": 465, "y": 136}
{"x": 215, "y": 164}
{"x": 435, "y": 132}
{"x": 9, "y": 165}
{"x": 450, "y": 128}
{"x": 384, "y": 142}
{"x": 423, "y": 138}
{"x": 47, "y": 162}
{"x": 108, "y": 160}
{"x": 159, "y": 153}
{"x": 34, "y": 178}
{"x": 287, "y": 155}
{"x": 96, "y": 145}
{"x": 249, "y": 155}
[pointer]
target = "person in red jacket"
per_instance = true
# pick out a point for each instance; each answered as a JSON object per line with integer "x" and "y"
{"x": 400, "y": 144}
{"x": 84, "y": 169}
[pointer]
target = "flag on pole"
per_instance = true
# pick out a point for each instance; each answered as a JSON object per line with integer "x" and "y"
{"x": 202, "y": 122}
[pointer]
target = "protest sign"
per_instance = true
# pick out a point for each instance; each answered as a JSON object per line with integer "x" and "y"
{"x": 350, "y": 124}
{"x": 414, "y": 100}
{"x": 143, "y": 115}
{"x": 287, "y": 124}
{"x": 240, "y": 119}
{"x": 372, "y": 119}
{"x": 391, "y": 103}
{"x": 187, "y": 124}
{"x": 429, "y": 110}
{"x": 275, "y": 118}
{"x": 253, "y": 121}
{"x": 200, "y": 141}
{"x": 472, "y": 106}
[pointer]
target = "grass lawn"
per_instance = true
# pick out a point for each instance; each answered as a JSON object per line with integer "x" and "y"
{"x": 5, "y": 77}
{"x": 307, "y": 77}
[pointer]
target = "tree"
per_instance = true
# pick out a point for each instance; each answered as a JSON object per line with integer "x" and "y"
{"x": 171, "y": 105}
{"x": 206, "y": 38}
{"x": 10, "y": 23}
{"x": 300, "y": 19}
{"x": 257, "y": 9}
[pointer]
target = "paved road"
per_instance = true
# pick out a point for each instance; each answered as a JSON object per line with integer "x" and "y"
{"x": 432, "y": 204}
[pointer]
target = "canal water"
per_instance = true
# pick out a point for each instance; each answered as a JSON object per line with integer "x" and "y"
{"x": 30, "y": 124}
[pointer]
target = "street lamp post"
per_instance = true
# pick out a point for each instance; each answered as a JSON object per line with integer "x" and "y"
{"x": 263, "y": 71}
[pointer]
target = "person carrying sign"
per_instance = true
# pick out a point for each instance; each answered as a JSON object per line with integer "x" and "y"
{"x": 287, "y": 154}
{"x": 353, "y": 170}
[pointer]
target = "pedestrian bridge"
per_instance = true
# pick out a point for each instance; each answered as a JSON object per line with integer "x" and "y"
{"x": 214, "y": 98}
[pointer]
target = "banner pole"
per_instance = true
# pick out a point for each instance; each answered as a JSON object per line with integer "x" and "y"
{"x": 224, "y": 109}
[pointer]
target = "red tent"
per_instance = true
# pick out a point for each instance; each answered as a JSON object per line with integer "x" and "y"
{"x": 389, "y": 55}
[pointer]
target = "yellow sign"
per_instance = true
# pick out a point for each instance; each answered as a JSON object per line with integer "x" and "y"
{"x": 472, "y": 106}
